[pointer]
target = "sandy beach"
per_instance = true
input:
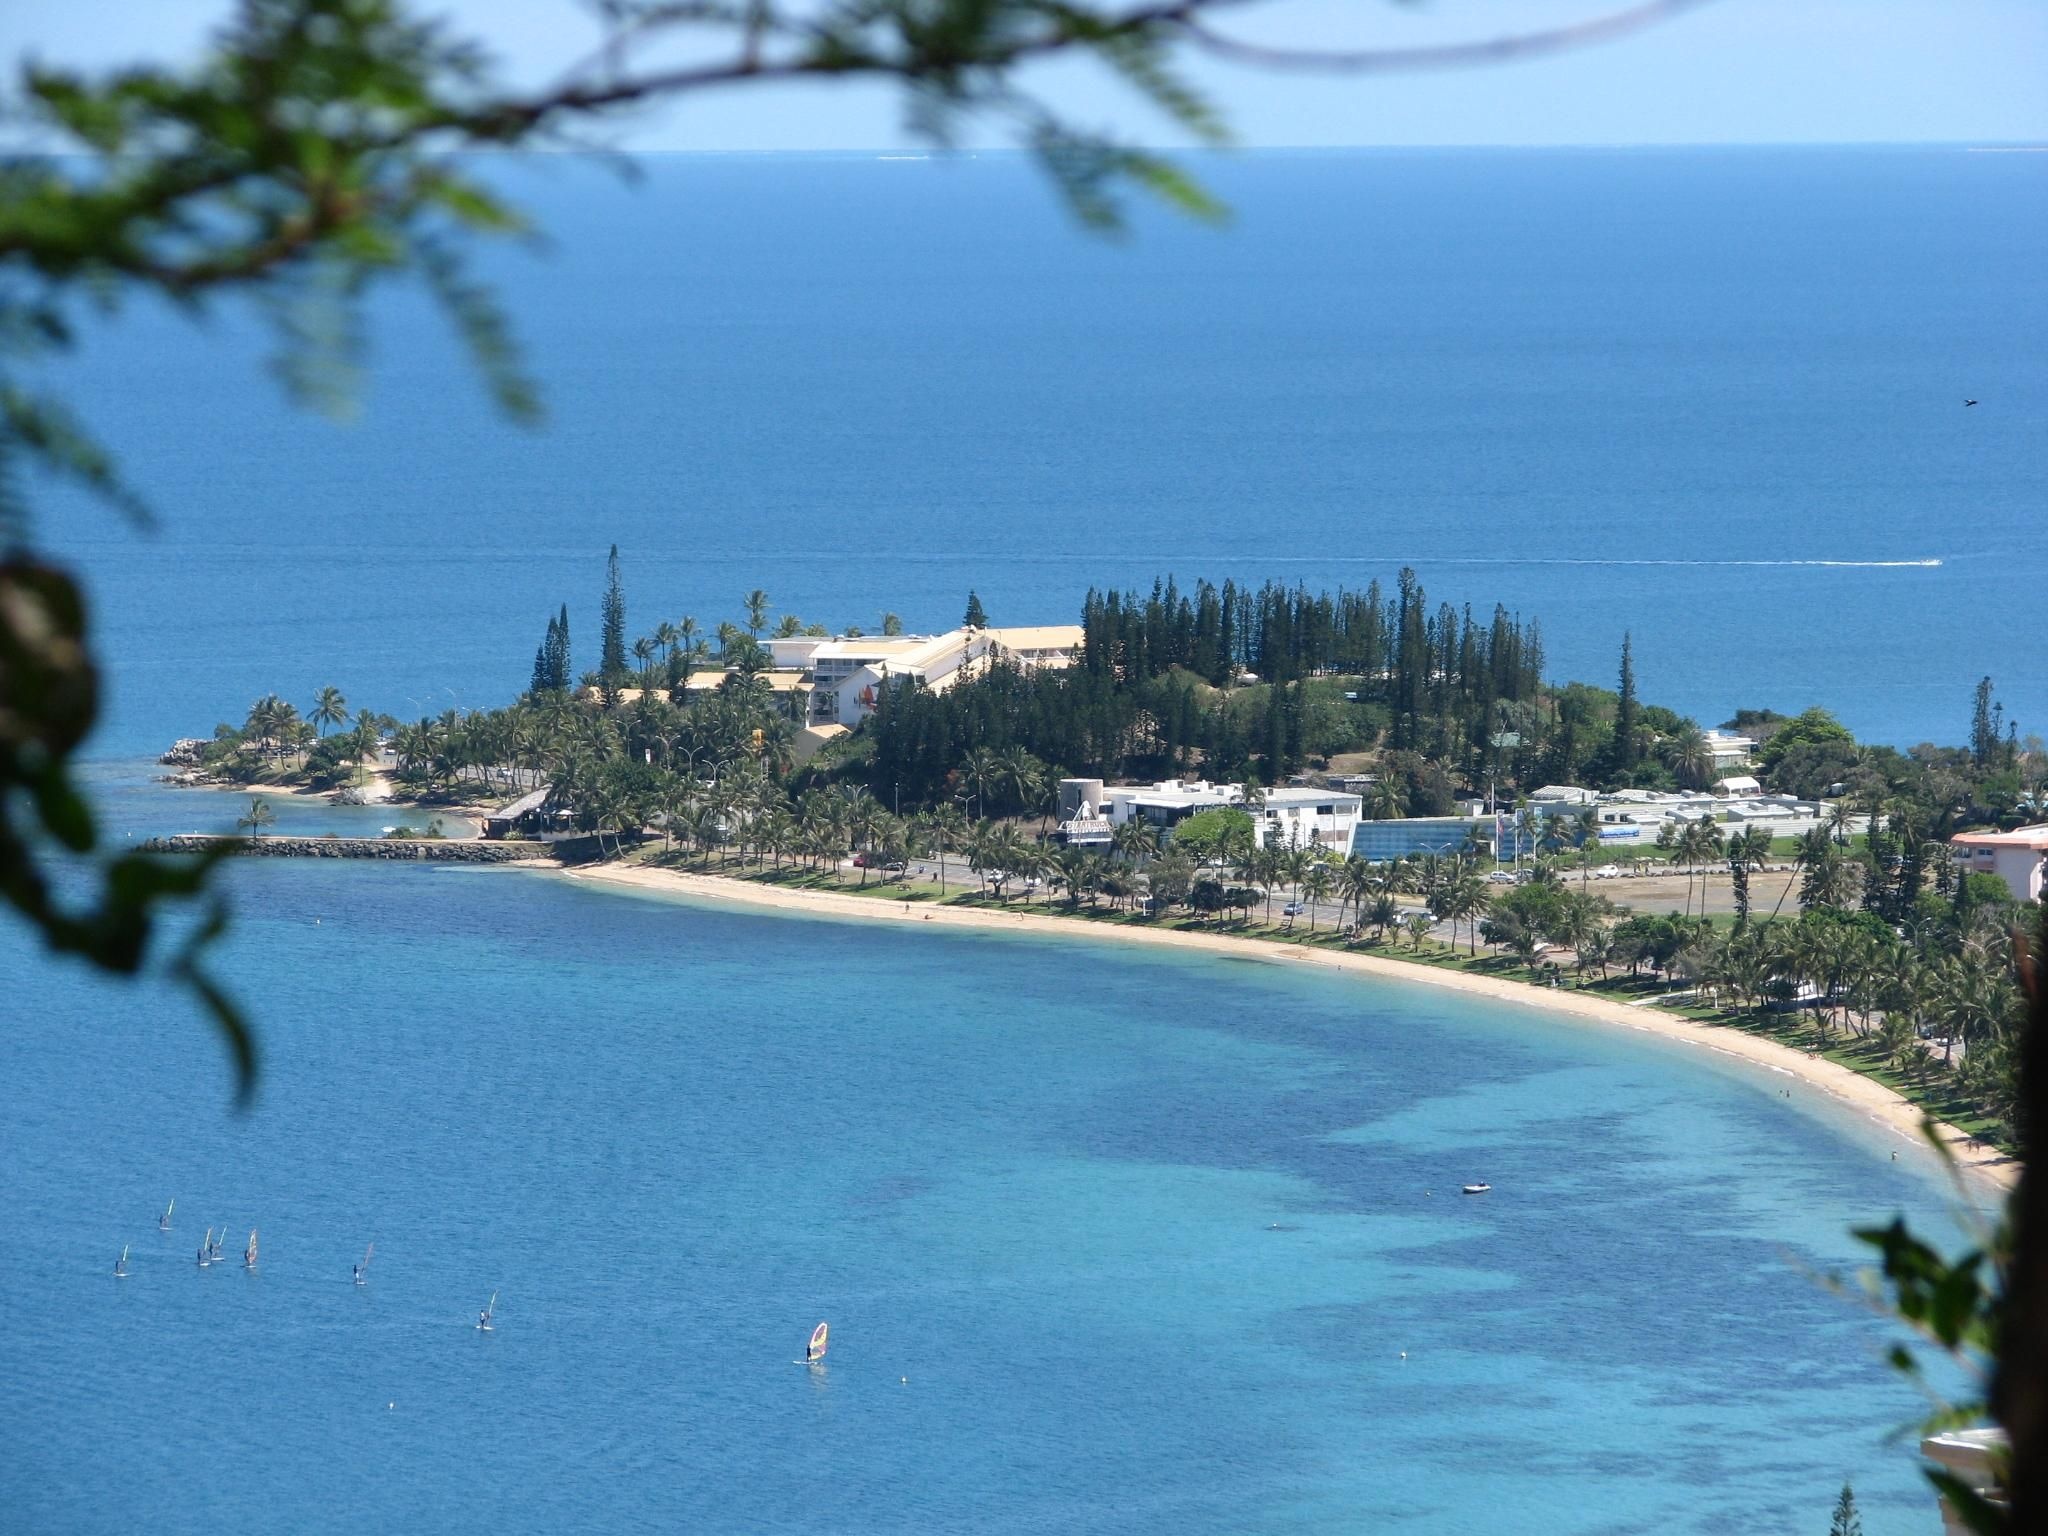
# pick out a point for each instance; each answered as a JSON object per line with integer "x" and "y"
{"x": 375, "y": 789}
{"x": 1874, "y": 1102}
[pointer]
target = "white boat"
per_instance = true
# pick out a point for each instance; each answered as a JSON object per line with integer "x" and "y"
{"x": 483, "y": 1318}
{"x": 163, "y": 1222}
{"x": 121, "y": 1264}
{"x": 1477, "y": 1189}
{"x": 249, "y": 1253}
{"x": 814, "y": 1353}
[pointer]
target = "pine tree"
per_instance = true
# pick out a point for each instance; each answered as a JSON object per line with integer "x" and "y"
{"x": 1627, "y": 713}
{"x": 539, "y": 681}
{"x": 612, "y": 665}
{"x": 1846, "y": 1522}
{"x": 976, "y": 619}
{"x": 551, "y": 660}
{"x": 1983, "y": 733}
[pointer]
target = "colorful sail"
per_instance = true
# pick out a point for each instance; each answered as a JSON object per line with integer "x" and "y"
{"x": 819, "y": 1339}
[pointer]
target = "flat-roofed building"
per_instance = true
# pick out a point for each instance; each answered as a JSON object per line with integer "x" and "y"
{"x": 848, "y": 674}
{"x": 1383, "y": 842}
{"x": 1729, "y": 750}
{"x": 1283, "y": 818}
{"x": 2016, "y": 857}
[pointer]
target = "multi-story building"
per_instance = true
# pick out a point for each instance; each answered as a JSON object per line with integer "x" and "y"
{"x": 2016, "y": 857}
{"x": 848, "y": 674}
{"x": 1090, "y": 811}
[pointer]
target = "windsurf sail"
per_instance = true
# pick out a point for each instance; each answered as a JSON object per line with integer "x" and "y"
{"x": 483, "y": 1320}
{"x": 249, "y": 1253}
{"x": 363, "y": 1269}
{"x": 121, "y": 1264}
{"x": 163, "y": 1222}
{"x": 820, "y": 1337}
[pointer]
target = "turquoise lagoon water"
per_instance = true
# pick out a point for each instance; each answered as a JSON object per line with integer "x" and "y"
{"x": 1109, "y": 1240}
{"x": 1714, "y": 398}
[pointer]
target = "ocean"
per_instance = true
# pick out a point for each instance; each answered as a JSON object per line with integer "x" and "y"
{"x": 1709, "y": 398}
{"x": 1107, "y": 1240}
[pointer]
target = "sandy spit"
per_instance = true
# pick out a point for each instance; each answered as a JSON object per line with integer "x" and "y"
{"x": 1872, "y": 1100}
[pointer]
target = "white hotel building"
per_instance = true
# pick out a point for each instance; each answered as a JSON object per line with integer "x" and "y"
{"x": 846, "y": 674}
{"x": 1091, "y": 811}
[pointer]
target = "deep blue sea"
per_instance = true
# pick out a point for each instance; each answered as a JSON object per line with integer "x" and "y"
{"x": 1109, "y": 1241}
{"x": 1710, "y": 397}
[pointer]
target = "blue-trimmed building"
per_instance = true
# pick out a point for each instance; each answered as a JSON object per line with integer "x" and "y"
{"x": 1382, "y": 842}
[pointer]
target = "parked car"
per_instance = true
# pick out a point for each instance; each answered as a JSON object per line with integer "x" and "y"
{"x": 1292, "y": 909}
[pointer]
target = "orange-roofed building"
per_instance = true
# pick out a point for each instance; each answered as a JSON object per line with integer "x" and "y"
{"x": 2016, "y": 857}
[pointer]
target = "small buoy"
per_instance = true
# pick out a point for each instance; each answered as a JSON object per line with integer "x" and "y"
{"x": 906, "y": 1381}
{"x": 1404, "y": 1354}
{"x": 389, "y": 1406}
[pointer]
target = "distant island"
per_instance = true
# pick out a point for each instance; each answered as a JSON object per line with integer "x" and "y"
{"x": 1356, "y": 771}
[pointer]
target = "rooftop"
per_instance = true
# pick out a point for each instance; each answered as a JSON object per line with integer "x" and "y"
{"x": 2035, "y": 837}
{"x": 1038, "y": 637}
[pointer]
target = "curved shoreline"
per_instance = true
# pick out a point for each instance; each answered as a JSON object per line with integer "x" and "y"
{"x": 1991, "y": 1169}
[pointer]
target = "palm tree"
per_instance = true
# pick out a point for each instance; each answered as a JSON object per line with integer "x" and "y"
{"x": 1466, "y": 900}
{"x": 948, "y": 829}
{"x": 1814, "y": 850}
{"x": 1356, "y": 880}
{"x": 364, "y": 741}
{"x": 1841, "y": 811}
{"x": 1418, "y": 925}
{"x": 257, "y": 817}
{"x": 757, "y": 612}
{"x": 1382, "y": 911}
{"x": 1384, "y": 800}
{"x": 329, "y": 708}
{"x": 1136, "y": 840}
{"x": 1080, "y": 872}
{"x": 1686, "y": 753}
{"x": 1316, "y": 885}
{"x": 981, "y": 771}
{"x": 985, "y": 850}
{"x": 1018, "y": 772}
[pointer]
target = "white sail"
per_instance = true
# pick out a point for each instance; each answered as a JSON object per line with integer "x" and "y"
{"x": 249, "y": 1253}
{"x": 163, "y": 1222}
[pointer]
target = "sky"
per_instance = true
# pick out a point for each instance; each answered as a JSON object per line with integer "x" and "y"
{"x": 1730, "y": 72}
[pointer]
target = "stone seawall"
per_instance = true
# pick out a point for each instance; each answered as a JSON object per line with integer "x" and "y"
{"x": 359, "y": 848}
